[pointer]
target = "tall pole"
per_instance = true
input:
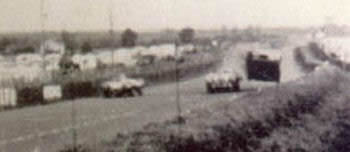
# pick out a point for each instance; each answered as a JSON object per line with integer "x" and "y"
{"x": 74, "y": 131}
{"x": 43, "y": 17}
{"x": 177, "y": 99}
{"x": 111, "y": 30}
{"x": 343, "y": 61}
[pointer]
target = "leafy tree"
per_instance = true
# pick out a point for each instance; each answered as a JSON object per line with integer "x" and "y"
{"x": 69, "y": 41}
{"x": 86, "y": 47}
{"x": 129, "y": 38}
{"x": 26, "y": 49}
{"x": 186, "y": 35}
{"x": 4, "y": 43}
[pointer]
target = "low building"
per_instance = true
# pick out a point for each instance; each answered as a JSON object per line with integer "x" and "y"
{"x": 52, "y": 47}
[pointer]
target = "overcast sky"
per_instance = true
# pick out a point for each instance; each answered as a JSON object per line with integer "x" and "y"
{"x": 73, "y": 15}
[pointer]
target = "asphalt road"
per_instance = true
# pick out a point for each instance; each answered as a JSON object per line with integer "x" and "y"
{"x": 50, "y": 127}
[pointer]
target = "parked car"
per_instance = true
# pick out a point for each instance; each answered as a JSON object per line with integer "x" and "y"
{"x": 122, "y": 86}
{"x": 223, "y": 81}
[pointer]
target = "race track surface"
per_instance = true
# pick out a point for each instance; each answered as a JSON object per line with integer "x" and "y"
{"x": 50, "y": 127}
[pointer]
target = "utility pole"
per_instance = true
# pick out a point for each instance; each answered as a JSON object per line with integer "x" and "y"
{"x": 43, "y": 18}
{"x": 344, "y": 61}
{"x": 74, "y": 131}
{"x": 177, "y": 99}
{"x": 111, "y": 26}
{"x": 73, "y": 108}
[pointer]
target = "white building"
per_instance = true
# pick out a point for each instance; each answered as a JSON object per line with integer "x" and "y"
{"x": 28, "y": 59}
{"x": 52, "y": 46}
{"x": 85, "y": 61}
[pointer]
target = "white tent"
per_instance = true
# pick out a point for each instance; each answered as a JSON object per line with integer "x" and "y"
{"x": 104, "y": 57}
{"x": 28, "y": 73}
{"x": 167, "y": 50}
{"x": 85, "y": 62}
{"x": 160, "y": 51}
{"x": 52, "y": 92}
{"x": 8, "y": 97}
{"x": 52, "y": 62}
{"x": 337, "y": 46}
{"x": 125, "y": 57}
{"x": 187, "y": 48}
{"x": 52, "y": 57}
{"x": 52, "y": 67}
{"x": 28, "y": 58}
{"x": 52, "y": 46}
{"x": 138, "y": 49}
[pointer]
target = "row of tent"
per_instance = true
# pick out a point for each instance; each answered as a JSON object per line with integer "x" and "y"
{"x": 125, "y": 56}
{"x": 106, "y": 56}
{"x": 338, "y": 47}
{"x": 129, "y": 56}
{"x": 9, "y": 97}
{"x": 32, "y": 66}
{"x": 21, "y": 72}
{"x": 46, "y": 94}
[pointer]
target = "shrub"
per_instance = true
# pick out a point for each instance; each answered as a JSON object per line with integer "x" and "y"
{"x": 30, "y": 96}
{"x": 72, "y": 90}
{"x": 78, "y": 148}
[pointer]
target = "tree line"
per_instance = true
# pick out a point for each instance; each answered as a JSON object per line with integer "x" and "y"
{"x": 72, "y": 42}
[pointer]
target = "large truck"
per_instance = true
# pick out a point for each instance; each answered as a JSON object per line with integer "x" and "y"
{"x": 263, "y": 66}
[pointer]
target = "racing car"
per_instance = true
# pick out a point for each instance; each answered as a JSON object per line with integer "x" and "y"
{"x": 122, "y": 87}
{"x": 264, "y": 65}
{"x": 223, "y": 81}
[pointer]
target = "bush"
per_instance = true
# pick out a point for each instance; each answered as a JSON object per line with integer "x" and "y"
{"x": 186, "y": 35}
{"x": 72, "y": 90}
{"x": 30, "y": 96}
{"x": 129, "y": 38}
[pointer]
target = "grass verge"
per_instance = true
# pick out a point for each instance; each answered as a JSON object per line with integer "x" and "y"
{"x": 297, "y": 116}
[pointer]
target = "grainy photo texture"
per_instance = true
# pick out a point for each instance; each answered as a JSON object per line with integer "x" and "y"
{"x": 174, "y": 76}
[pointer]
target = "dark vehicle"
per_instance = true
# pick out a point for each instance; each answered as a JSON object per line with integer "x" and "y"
{"x": 263, "y": 67}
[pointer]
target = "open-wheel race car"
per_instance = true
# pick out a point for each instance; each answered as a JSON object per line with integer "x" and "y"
{"x": 122, "y": 87}
{"x": 223, "y": 81}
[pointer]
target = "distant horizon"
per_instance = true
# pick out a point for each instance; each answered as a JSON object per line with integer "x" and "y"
{"x": 145, "y": 15}
{"x": 162, "y": 29}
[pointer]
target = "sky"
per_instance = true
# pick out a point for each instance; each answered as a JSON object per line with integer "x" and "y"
{"x": 143, "y": 15}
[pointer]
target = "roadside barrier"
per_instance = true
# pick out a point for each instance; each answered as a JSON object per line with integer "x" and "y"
{"x": 52, "y": 93}
{"x": 8, "y": 97}
{"x": 82, "y": 84}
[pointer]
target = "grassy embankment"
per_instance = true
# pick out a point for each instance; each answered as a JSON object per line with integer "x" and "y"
{"x": 310, "y": 114}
